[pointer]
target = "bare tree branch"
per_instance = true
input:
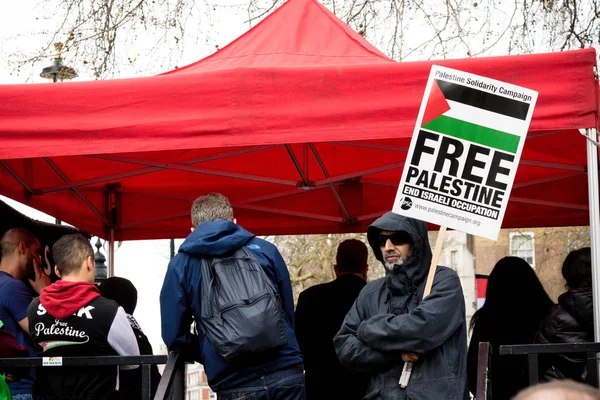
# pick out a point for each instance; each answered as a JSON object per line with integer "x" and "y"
{"x": 104, "y": 35}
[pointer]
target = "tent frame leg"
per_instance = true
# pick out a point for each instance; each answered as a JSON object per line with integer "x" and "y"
{"x": 592, "y": 160}
{"x": 111, "y": 253}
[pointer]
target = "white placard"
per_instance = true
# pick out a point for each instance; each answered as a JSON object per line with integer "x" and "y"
{"x": 465, "y": 151}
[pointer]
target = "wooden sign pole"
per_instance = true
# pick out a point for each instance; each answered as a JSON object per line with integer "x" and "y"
{"x": 410, "y": 357}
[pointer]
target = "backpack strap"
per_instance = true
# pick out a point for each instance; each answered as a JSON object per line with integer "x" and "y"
{"x": 250, "y": 255}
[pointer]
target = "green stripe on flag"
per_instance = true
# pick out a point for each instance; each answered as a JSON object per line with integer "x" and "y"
{"x": 474, "y": 133}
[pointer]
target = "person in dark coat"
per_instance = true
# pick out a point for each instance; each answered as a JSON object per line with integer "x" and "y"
{"x": 515, "y": 304}
{"x": 124, "y": 293}
{"x": 319, "y": 315}
{"x": 571, "y": 320}
{"x": 391, "y": 318}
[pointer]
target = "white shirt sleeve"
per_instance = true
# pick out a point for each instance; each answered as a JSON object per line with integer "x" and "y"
{"x": 122, "y": 339}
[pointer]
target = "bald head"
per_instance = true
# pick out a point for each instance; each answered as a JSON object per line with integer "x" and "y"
{"x": 12, "y": 238}
{"x": 559, "y": 390}
{"x": 19, "y": 251}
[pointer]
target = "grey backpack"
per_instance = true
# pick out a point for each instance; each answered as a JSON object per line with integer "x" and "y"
{"x": 240, "y": 310}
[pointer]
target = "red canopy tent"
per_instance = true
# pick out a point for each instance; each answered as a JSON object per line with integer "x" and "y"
{"x": 300, "y": 122}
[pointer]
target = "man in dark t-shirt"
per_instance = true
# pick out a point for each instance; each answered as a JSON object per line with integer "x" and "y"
{"x": 20, "y": 261}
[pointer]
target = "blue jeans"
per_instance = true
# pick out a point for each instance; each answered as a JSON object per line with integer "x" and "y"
{"x": 287, "y": 384}
{"x": 22, "y": 397}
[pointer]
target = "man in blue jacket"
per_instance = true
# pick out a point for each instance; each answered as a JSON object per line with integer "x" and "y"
{"x": 274, "y": 375}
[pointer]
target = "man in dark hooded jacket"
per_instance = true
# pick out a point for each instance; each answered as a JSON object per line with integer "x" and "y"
{"x": 277, "y": 374}
{"x": 390, "y": 318}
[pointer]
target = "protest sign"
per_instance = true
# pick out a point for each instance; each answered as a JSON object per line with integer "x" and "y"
{"x": 465, "y": 151}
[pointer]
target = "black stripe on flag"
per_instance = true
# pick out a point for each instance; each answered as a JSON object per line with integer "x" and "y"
{"x": 480, "y": 99}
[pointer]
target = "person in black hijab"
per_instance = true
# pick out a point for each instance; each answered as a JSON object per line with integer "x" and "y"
{"x": 515, "y": 304}
{"x": 124, "y": 293}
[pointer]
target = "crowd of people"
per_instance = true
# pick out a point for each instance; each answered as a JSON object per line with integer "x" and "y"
{"x": 517, "y": 310}
{"x": 227, "y": 303}
{"x": 71, "y": 317}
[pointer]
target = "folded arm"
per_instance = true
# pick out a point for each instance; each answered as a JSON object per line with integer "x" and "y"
{"x": 354, "y": 353}
{"x": 428, "y": 326}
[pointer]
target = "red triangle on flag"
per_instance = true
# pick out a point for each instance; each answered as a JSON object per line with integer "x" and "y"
{"x": 436, "y": 104}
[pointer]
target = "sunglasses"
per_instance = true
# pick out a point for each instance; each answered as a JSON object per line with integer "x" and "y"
{"x": 397, "y": 239}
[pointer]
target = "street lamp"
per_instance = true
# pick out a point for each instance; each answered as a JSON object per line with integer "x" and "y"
{"x": 57, "y": 71}
{"x": 100, "y": 259}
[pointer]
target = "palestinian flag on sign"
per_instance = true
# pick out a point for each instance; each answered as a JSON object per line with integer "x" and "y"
{"x": 475, "y": 115}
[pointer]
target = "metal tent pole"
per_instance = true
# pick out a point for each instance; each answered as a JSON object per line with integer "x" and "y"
{"x": 592, "y": 163}
{"x": 111, "y": 253}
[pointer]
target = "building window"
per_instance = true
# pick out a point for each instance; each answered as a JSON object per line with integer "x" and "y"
{"x": 454, "y": 259}
{"x": 195, "y": 394}
{"x": 212, "y": 396}
{"x": 193, "y": 379}
{"x": 522, "y": 246}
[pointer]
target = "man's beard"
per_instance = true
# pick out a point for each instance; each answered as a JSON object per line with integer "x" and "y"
{"x": 389, "y": 265}
{"x": 29, "y": 268}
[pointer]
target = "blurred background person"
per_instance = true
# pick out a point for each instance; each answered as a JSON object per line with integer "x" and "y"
{"x": 563, "y": 390}
{"x": 124, "y": 293}
{"x": 319, "y": 315}
{"x": 571, "y": 320}
{"x": 515, "y": 304}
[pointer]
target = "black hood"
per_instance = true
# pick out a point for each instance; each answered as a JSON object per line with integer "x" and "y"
{"x": 579, "y": 303}
{"x": 414, "y": 270}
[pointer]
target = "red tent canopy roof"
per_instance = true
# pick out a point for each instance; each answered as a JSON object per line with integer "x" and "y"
{"x": 300, "y": 122}
{"x": 297, "y": 34}
{"x": 258, "y": 106}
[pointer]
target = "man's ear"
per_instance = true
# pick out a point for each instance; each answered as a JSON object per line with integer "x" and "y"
{"x": 235, "y": 220}
{"x": 22, "y": 248}
{"x": 192, "y": 229}
{"x": 56, "y": 271}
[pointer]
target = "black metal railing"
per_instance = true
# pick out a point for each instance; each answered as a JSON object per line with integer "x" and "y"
{"x": 172, "y": 382}
{"x": 532, "y": 351}
{"x": 171, "y": 385}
